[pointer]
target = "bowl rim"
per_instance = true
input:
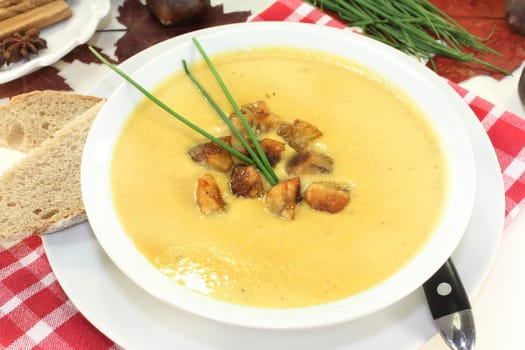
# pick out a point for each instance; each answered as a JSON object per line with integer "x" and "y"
{"x": 101, "y": 139}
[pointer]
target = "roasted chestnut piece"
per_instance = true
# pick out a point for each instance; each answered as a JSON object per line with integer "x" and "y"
{"x": 173, "y": 12}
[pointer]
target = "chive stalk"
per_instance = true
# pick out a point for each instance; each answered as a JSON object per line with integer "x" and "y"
{"x": 274, "y": 179}
{"x": 174, "y": 114}
{"x": 228, "y": 122}
{"x": 416, "y": 27}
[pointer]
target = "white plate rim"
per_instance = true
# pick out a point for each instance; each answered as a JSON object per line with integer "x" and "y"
{"x": 479, "y": 140}
{"x": 61, "y": 37}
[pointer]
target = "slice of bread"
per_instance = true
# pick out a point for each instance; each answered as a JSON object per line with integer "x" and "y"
{"x": 28, "y": 119}
{"x": 41, "y": 193}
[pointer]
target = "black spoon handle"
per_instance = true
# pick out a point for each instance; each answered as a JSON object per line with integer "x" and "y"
{"x": 445, "y": 292}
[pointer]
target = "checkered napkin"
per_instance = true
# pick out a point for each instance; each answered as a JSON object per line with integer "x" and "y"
{"x": 36, "y": 314}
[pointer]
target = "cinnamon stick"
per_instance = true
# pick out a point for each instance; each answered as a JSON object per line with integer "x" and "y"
{"x": 15, "y": 7}
{"x": 38, "y": 18}
{"x": 7, "y": 3}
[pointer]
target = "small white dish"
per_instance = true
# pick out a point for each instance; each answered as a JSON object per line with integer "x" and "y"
{"x": 430, "y": 93}
{"x": 61, "y": 37}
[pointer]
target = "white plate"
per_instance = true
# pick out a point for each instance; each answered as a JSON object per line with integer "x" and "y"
{"x": 136, "y": 320}
{"x": 61, "y": 37}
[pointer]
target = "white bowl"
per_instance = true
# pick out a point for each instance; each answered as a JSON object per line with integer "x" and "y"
{"x": 431, "y": 93}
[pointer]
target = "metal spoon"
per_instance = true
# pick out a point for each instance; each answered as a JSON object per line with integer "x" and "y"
{"x": 450, "y": 308}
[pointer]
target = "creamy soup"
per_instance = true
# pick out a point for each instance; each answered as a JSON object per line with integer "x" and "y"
{"x": 382, "y": 148}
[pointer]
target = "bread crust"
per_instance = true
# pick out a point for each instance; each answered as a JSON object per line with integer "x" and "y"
{"x": 29, "y": 119}
{"x": 41, "y": 193}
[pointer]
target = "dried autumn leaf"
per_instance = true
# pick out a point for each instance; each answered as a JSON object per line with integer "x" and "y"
{"x": 143, "y": 30}
{"x": 81, "y": 53}
{"x": 469, "y": 9}
{"x": 484, "y": 18}
{"x": 46, "y": 78}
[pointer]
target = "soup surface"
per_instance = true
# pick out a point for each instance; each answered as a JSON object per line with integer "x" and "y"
{"x": 382, "y": 148}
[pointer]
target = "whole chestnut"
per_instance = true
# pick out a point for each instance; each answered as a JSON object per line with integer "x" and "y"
{"x": 515, "y": 15}
{"x": 173, "y": 12}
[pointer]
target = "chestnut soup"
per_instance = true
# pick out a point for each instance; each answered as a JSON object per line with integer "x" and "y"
{"x": 382, "y": 148}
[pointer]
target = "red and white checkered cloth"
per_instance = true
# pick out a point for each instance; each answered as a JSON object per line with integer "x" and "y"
{"x": 36, "y": 314}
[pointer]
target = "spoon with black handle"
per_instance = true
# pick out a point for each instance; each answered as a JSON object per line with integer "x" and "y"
{"x": 450, "y": 308}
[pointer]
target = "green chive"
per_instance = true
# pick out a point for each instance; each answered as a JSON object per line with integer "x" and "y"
{"x": 416, "y": 27}
{"x": 228, "y": 122}
{"x": 238, "y": 111}
{"x": 165, "y": 107}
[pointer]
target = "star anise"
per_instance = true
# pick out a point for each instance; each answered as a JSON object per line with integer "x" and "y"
{"x": 20, "y": 46}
